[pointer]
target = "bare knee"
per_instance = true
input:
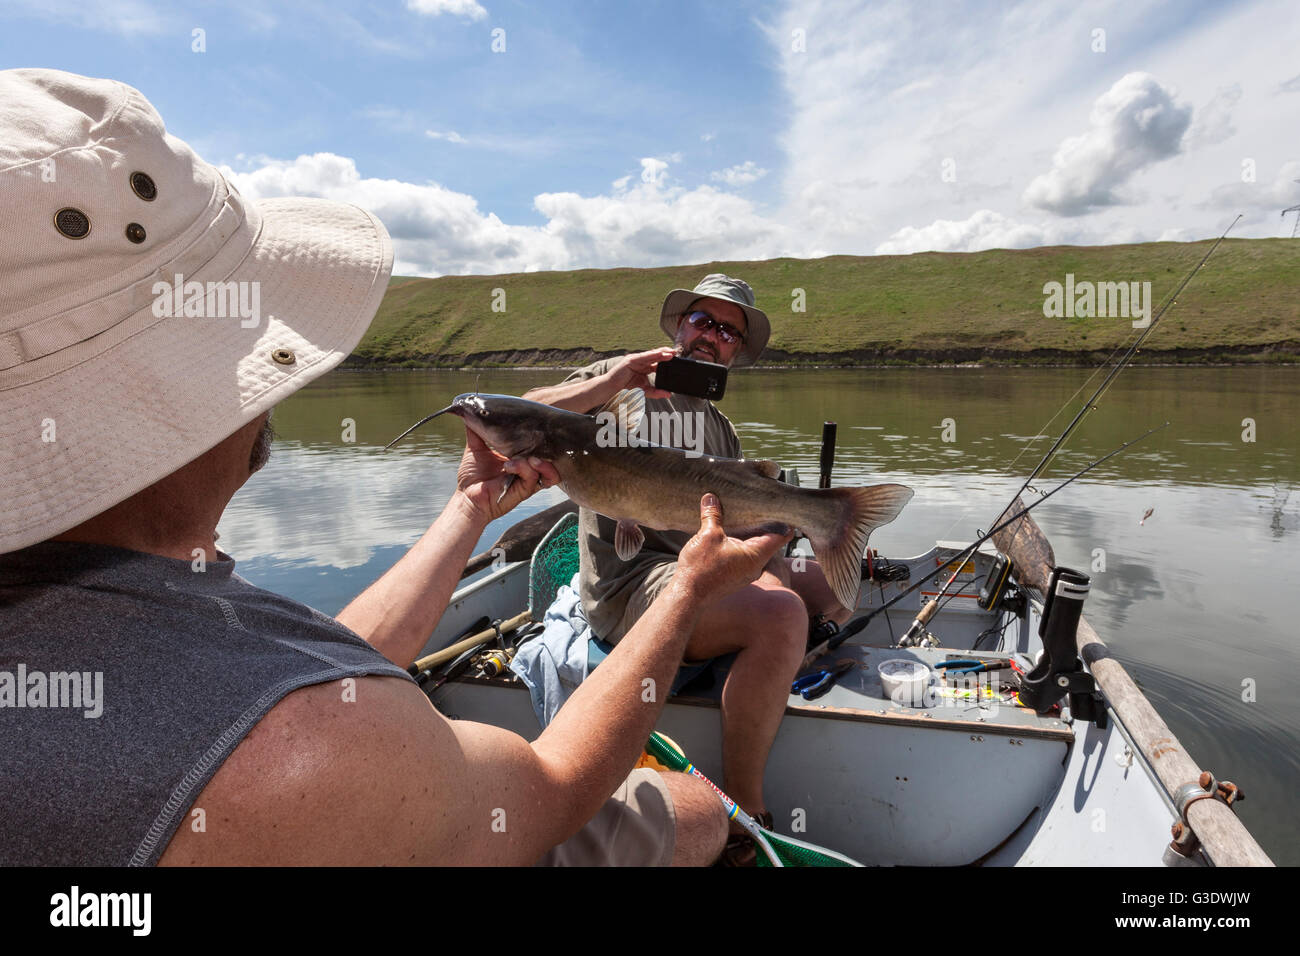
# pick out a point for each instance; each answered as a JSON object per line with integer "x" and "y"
{"x": 701, "y": 820}
{"x": 785, "y": 621}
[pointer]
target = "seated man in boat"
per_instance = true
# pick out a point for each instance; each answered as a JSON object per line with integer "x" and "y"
{"x": 765, "y": 624}
{"x": 154, "y": 706}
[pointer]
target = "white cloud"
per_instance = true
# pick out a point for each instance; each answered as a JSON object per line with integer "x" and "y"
{"x": 872, "y": 113}
{"x": 1213, "y": 121}
{"x": 450, "y": 136}
{"x": 985, "y": 229}
{"x": 125, "y": 17}
{"x": 457, "y": 8}
{"x": 1267, "y": 197}
{"x": 437, "y": 231}
{"x": 742, "y": 175}
{"x": 1136, "y": 123}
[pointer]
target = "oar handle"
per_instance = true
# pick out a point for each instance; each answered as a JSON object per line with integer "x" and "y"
{"x": 518, "y": 541}
{"x": 477, "y": 563}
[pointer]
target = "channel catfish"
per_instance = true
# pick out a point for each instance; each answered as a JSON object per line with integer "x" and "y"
{"x": 603, "y": 466}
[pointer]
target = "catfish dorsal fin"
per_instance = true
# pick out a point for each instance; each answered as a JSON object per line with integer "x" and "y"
{"x": 627, "y": 407}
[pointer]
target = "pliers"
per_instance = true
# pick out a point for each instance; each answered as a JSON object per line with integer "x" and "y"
{"x": 813, "y": 685}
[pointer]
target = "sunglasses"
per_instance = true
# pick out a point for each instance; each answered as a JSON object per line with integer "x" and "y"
{"x": 702, "y": 321}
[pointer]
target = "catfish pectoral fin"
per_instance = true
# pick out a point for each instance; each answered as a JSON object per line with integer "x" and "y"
{"x": 839, "y": 549}
{"x": 510, "y": 480}
{"x": 628, "y": 538}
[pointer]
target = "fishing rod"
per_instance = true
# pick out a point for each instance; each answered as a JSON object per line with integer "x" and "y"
{"x": 1091, "y": 402}
{"x": 929, "y": 610}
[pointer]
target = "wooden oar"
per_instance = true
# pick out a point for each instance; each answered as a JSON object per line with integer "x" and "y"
{"x": 1225, "y": 839}
{"x": 518, "y": 541}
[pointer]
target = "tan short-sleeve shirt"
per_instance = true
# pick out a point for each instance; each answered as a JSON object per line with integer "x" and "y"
{"x": 609, "y": 583}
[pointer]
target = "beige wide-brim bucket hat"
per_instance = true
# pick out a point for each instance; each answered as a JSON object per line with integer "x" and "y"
{"x": 725, "y": 288}
{"x": 105, "y": 385}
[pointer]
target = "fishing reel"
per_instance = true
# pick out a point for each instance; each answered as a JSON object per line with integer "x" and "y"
{"x": 876, "y": 568}
{"x": 820, "y": 629}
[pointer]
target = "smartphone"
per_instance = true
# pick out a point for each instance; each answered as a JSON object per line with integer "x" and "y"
{"x": 690, "y": 377}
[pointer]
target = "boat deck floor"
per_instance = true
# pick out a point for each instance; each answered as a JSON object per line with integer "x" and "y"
{"x": 981, "y": 704}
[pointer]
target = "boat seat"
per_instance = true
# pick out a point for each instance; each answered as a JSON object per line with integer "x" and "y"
{"x": 694, "y": 674}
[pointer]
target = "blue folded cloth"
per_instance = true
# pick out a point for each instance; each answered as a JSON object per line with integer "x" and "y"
{"x": 553, "y": 664}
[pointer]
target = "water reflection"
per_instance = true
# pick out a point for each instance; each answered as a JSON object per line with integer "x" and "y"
{"x": 1283, "y": 521}
{"x": 1191, "y": 601}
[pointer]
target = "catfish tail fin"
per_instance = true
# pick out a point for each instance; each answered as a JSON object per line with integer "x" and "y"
{"x": 839, "y": 549}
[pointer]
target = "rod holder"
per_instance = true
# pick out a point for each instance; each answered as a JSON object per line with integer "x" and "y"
{"x": 828, "y": 454}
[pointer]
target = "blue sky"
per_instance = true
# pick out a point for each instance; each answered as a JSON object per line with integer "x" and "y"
{"x": 654, "y": 133}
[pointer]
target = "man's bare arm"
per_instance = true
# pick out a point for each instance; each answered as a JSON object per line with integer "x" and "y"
{"x": 631, "y": 371}
{"x": 379, "y": 776}
{"x": 399, "y": 611}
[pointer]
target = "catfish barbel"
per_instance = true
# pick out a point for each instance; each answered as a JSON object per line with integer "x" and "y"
{"x": 603, "y": 466}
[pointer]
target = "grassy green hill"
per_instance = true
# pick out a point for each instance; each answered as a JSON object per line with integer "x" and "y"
{"x": 930, "y": 307}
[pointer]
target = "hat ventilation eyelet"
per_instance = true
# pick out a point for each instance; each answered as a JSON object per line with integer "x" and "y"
{"x": 283, "y": 357}
{"x": 72, "y": 223}
{"x": 143, "y": 186}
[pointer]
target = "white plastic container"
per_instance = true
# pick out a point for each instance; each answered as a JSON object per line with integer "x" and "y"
{"x": 905, "y": 682}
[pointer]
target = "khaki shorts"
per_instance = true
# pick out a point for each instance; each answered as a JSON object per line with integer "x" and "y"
{"x": 642, "y": 596}
{"x": 637, "y": 826}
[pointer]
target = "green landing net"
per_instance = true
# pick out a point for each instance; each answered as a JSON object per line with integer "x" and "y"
{"x": 555, "y": 562}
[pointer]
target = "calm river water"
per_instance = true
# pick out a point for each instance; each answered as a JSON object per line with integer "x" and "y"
{"x": 1195, "y": 603}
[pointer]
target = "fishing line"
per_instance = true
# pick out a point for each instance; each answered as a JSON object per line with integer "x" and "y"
{"x": 962, "y": 556}
{"x": 930, "y": 609}
{"x": 1091, "y": 404}
{"x": 1042, "y": 431}
{"x": 888, "y": 624}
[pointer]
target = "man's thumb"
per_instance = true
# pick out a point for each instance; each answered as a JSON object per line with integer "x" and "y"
{"x": 710, "y": 511}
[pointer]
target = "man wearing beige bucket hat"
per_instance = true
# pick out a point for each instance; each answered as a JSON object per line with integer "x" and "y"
{"x": 154, "y": 706}
{"x": 765, "y": 623}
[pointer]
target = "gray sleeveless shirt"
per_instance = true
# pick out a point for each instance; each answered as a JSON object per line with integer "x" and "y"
{"x": 125, "y": 680}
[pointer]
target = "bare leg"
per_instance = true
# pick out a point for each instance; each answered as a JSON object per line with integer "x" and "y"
{"x": 766, "y": 624}
{"x": 810, "y": 584}
{"x": 701, "y": 821}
